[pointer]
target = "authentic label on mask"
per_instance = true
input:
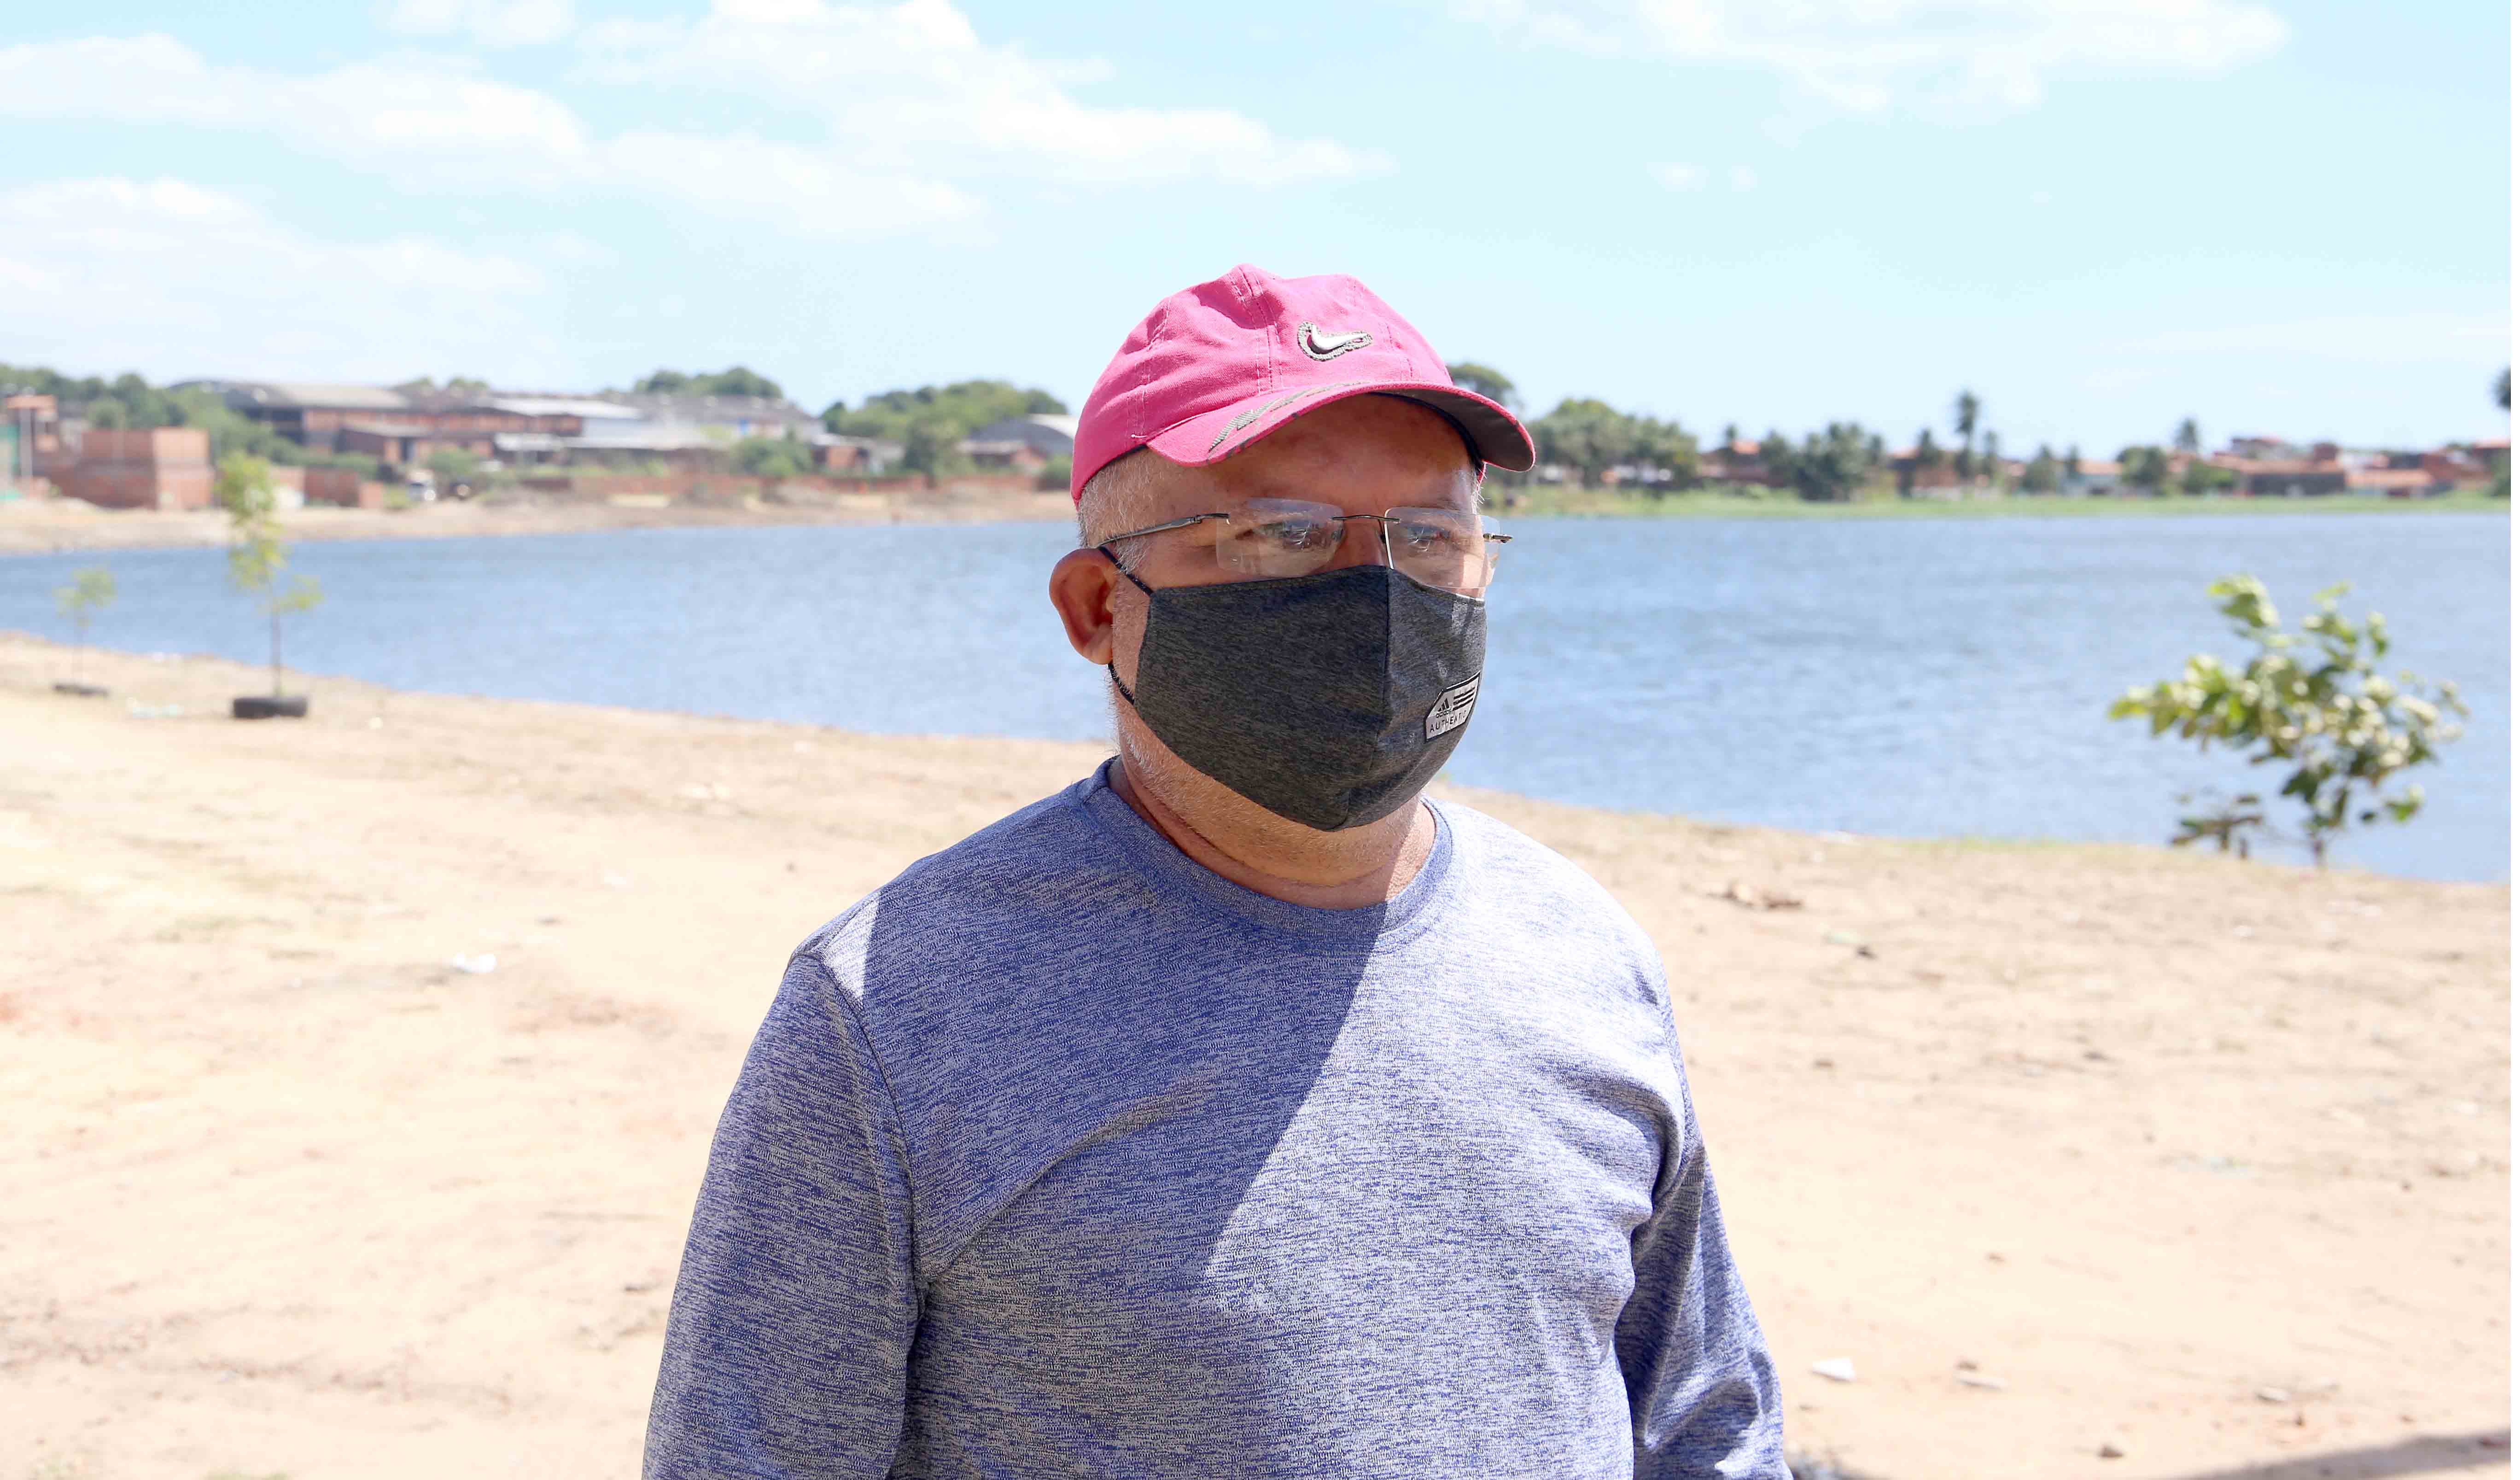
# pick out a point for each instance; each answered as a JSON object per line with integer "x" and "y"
{"x": 1452, "y": 711}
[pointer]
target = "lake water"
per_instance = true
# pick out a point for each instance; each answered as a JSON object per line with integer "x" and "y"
{"x": 1908, "y": 677}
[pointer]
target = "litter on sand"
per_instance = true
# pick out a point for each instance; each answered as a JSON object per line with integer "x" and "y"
{"x": 477, "y": 966}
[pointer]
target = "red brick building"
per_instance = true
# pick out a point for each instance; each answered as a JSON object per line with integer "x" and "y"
{"x": 162, "y": 467}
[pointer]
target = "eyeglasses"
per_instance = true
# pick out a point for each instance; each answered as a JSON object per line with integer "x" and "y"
{"x": 1268, "y": 538}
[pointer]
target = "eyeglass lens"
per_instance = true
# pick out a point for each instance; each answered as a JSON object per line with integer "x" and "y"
{"x": 1282, "y": 537}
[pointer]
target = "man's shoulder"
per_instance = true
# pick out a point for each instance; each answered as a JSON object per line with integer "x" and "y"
{"x": 981, "y": 899}
{"x": 1518, "y": 879}
{"x": 1506, "y": 857}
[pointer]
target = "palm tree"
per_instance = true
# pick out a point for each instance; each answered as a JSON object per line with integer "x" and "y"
{"x": 1964, "y": 421}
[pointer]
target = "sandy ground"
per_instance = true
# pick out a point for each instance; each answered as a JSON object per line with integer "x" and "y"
{"x": 35, "y": 526}
{"x": 2064, "y": 1147}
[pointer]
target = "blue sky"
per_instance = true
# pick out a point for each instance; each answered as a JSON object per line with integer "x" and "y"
{"x": 2099, "y": 214}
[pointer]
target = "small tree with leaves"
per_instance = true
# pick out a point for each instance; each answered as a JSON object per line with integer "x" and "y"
{"x": 256, "y": 553}
{"x": 2316, "y": 702}
{"x": 89, "y": 592}
{"x": 2144, "y": 467}
{"x": 2201, "y": 477}
{"x": 1831, "y": 465}
{"x": 2042, "y": 474}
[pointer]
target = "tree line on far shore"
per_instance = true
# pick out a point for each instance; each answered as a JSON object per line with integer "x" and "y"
{"x": 1594, "y": 444}
{"x": 1591, "y": 441}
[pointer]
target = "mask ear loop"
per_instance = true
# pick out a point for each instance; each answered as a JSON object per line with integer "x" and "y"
{"x": 1104, "y": 551}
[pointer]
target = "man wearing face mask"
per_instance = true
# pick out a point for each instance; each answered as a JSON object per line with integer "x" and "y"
{"x": 1236, "y": 1111}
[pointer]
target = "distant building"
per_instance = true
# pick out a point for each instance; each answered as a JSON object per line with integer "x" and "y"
{"x": 737, "y": 417}
{"x": 2261, "y": 449}
{"x": 30, "y": 433}
{"x": 160, "y": 467}
{"x": 2470, "y": 466}
{"x": 1024, "y": 443}
{"x": 615, "y": 443}
{"x": 404, "y": 428}
{"x": 2088, "y": 477}
{"x": 833, "y": 453}
{"x": 1737, "y": 464}
{"x": 1940, "y": 478}
{"x": 311, "y": 413}
{"x": 2284, "y": 478}
{"x": 2396, "y": 483}
{"x": 401, "y": 427}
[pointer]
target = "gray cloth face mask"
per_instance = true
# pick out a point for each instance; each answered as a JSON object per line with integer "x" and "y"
{"x": 1330, "y": 699}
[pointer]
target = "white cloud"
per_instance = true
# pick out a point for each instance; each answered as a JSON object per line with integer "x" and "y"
{"x": 490, "y": 22}
{"x": 408, "y": 114}
{"x": 1953, "y": 58}
{"x": 904, "y": 101}
{"x": 173, "y": 278}
{"x": 912, "y": 83}
{"x": 808, "y": 191}
{"x": 1678, "y": 176}
{"x": 1745, "y": 177}
{"x": 431, "y": 123}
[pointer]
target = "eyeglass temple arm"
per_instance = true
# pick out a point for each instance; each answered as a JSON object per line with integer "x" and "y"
{"x": 1183, "y": 523}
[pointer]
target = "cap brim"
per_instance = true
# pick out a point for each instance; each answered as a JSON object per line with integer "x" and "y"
{"x": 1211, "y": 436}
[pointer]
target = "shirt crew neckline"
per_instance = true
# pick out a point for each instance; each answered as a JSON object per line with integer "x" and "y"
{"x": 1154, "y": 855}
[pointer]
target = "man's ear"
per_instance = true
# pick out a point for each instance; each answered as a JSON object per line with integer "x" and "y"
{"x": 1081, "y": 586}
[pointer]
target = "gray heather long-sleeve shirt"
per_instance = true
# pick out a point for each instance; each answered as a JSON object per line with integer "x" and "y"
{"x": 1060, "y": 1155}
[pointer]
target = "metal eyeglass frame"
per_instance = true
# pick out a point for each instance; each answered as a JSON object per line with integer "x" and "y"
{"x": 1383, "y": 519}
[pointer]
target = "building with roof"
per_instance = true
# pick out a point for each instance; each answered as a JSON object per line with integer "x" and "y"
{"x": 737, "y": 417}
{"x": 2284, "y": 478}
{"x": 2395, "y": 483}
{"x": 2088, "y": 477}
{"x": 1738, "y": 464}
{"x": 834, "y": 453}
{"x": 404, "y": 426}
{"x": 1024, "y": 443}
{"x": 157, "y": 467}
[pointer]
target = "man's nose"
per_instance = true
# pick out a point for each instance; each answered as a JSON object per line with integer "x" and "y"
{"x": 1359, "y": 542}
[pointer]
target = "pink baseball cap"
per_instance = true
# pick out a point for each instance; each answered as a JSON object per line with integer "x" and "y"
{"x": 1219, "y": 366}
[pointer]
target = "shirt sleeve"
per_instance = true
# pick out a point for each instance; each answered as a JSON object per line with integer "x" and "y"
{"x": 1701, "y": 1388}
{"x": 788, "y": 1349}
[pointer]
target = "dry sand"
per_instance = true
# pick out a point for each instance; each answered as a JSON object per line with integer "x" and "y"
{"x": 37, "y": 525}
{"x": 2203, "y": 1162}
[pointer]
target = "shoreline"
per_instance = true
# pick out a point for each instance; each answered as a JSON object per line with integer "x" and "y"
{"x": 57, "y": 526}
{"x": 53, "y": 526}
{"x": 2272, "y": 854}
{"x": 369, "y": 1063}
{"x": 307, "y": 680}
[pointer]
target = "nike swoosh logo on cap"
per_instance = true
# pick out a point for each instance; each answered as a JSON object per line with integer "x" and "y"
{"x": 1308, "y": 337}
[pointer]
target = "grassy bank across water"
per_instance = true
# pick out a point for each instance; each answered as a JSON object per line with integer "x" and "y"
{"x": 1609, "y": 503}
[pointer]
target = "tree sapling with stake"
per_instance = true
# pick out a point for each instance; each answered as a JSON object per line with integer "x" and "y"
{"x": 256, "y": 557}
{"x": 90, "y": 590}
